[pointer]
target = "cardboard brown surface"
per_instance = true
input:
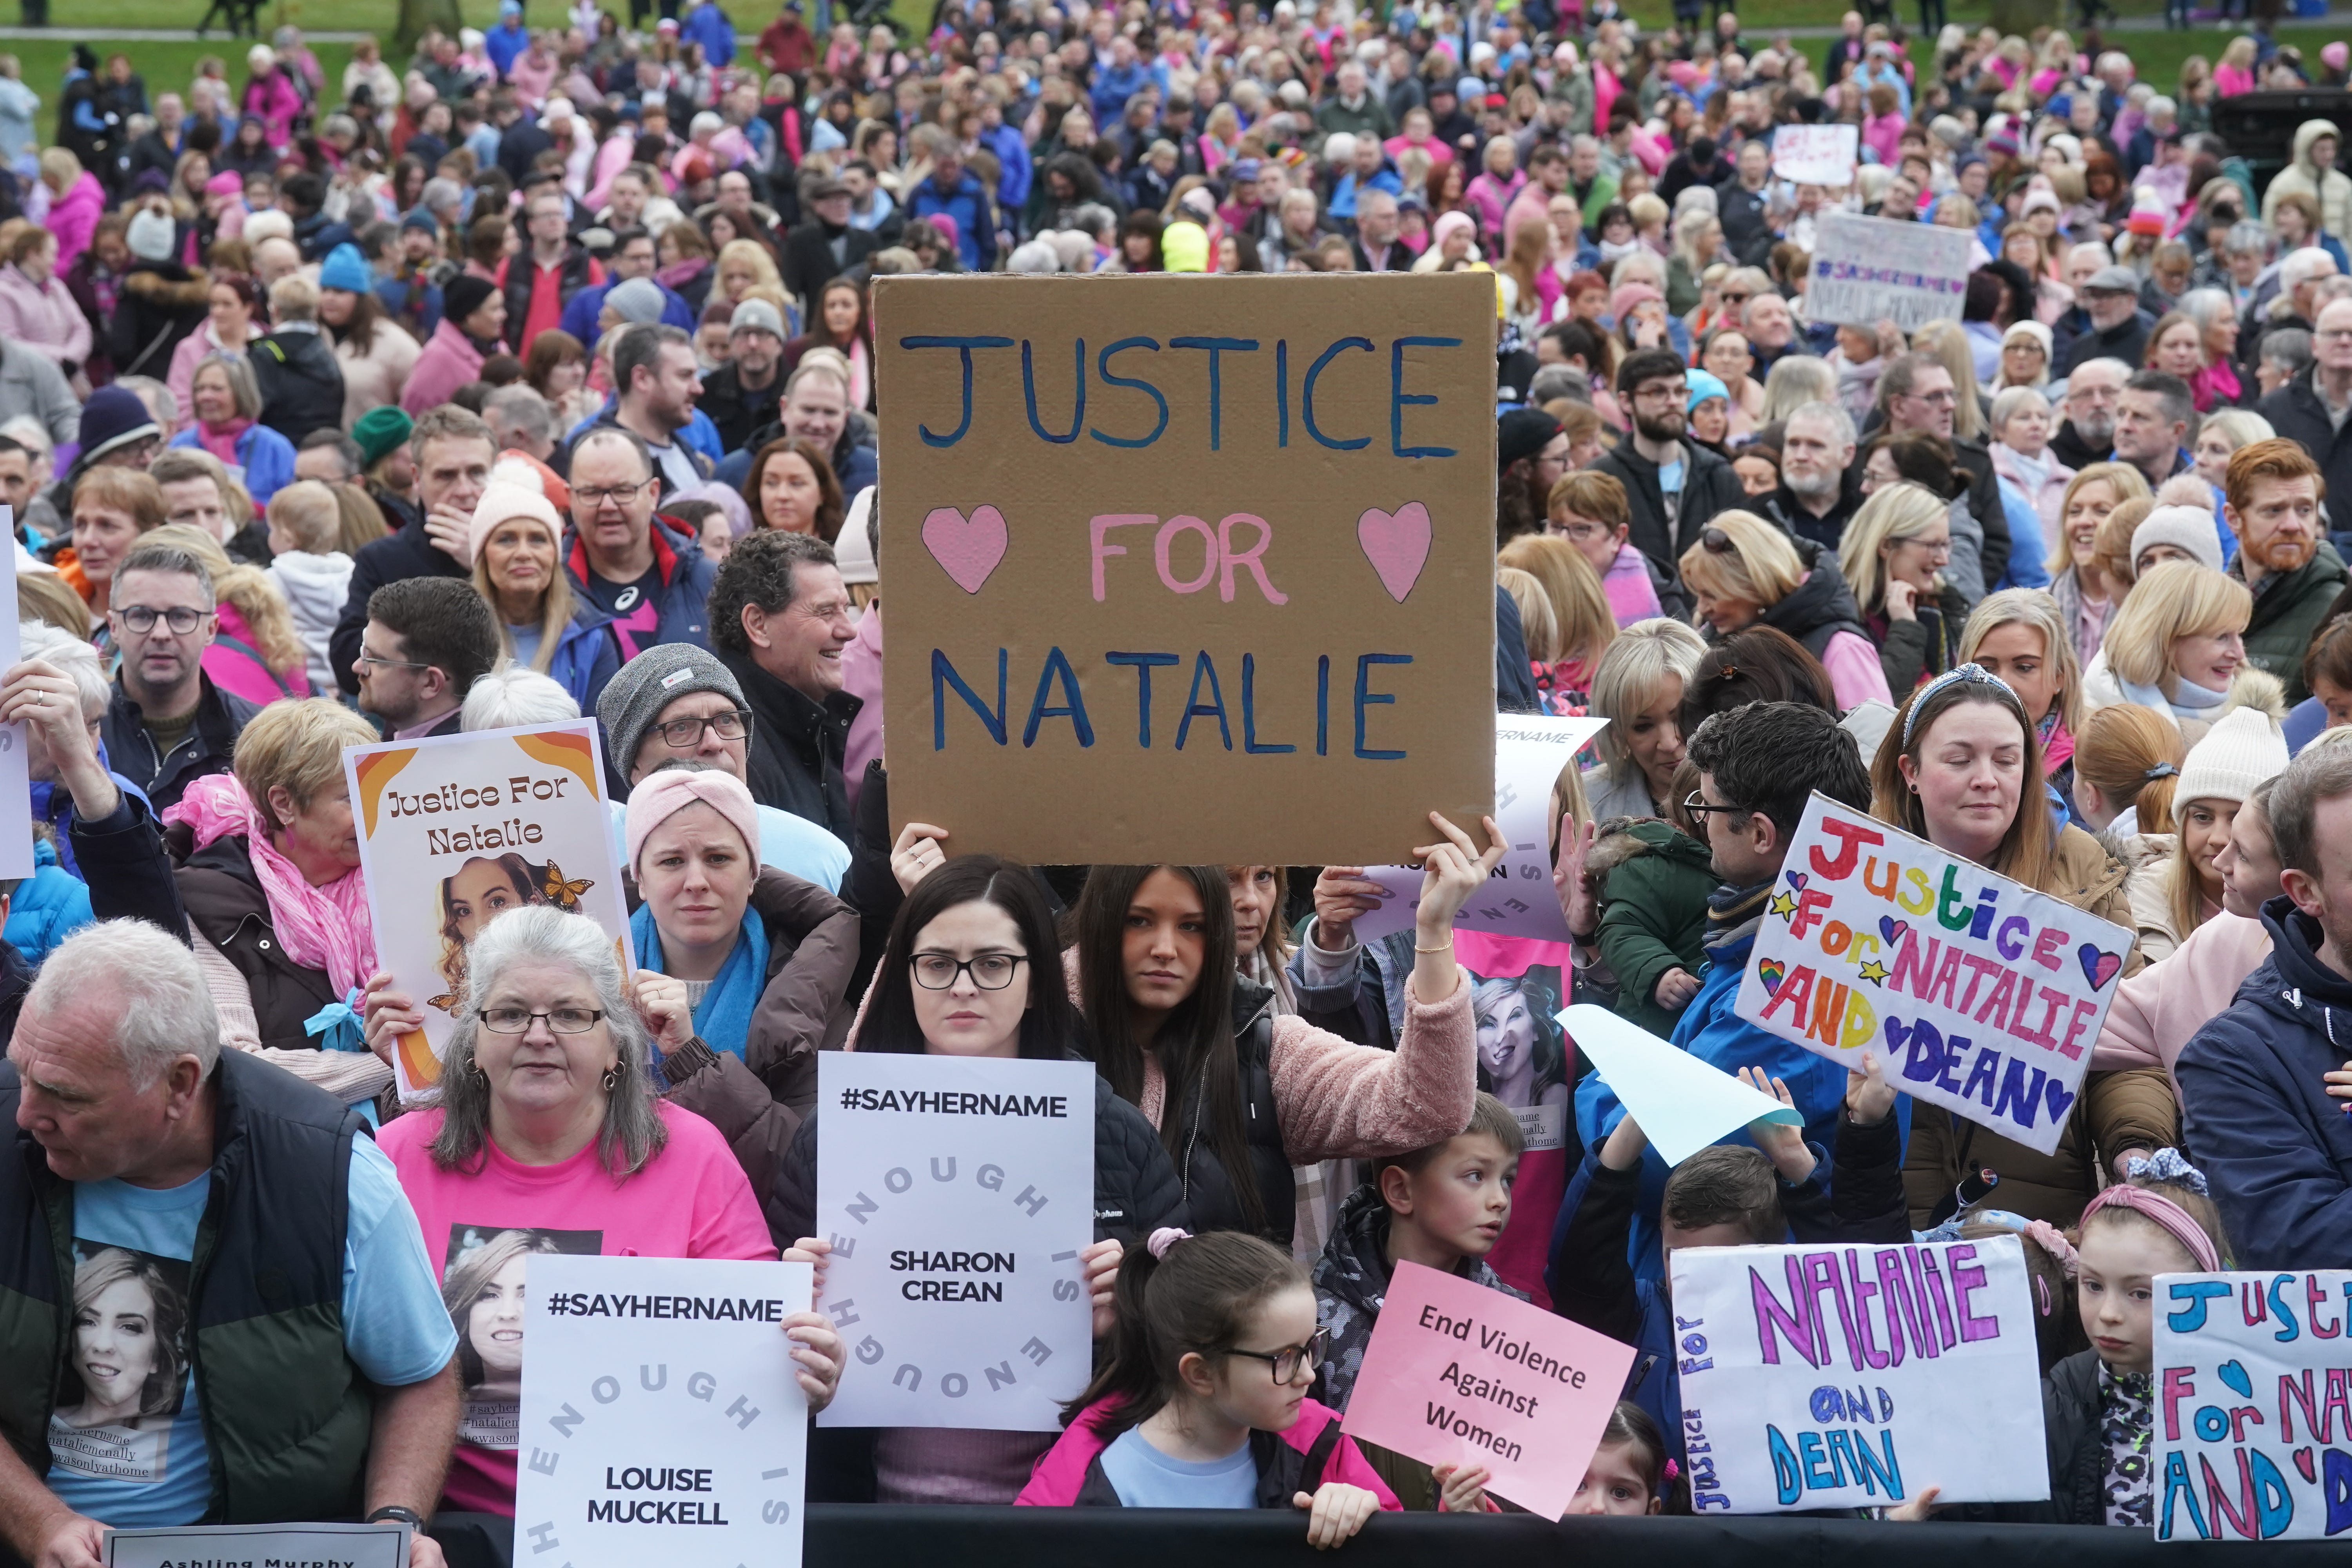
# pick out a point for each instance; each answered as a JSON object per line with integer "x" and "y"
{"x": 1339, "y": 466}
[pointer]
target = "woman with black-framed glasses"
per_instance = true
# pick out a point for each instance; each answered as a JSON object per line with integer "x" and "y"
{"x": 972, "y": 968}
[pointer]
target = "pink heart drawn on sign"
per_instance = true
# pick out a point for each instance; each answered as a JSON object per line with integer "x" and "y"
{"x": 1397, "y": 544}
{"x": 966, "y": 550}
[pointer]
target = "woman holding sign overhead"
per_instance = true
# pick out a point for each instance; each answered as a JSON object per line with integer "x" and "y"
{"x": 548, "y": 1138}
{"x": 1240, "y": 1094}
{"x": 971, "y": 969}
{"x": 1961, "y": 768}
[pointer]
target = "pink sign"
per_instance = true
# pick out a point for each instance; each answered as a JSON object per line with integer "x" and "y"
{"x": 1457, "y": 1373}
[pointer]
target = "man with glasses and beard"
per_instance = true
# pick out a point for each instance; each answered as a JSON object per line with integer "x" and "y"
{"x": 167, "y": 724}
{"x": 1820, "y": 489}
{"x": 1673, "y": 487}
{"x": 2273, "y": 491}
{"x": 2088, "y": 434}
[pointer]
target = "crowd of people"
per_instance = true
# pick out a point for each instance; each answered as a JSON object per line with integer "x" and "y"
{"x": 534, "y": 377}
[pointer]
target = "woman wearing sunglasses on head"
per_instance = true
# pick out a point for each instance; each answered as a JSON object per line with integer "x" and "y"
{"x": 1744, "y": 572}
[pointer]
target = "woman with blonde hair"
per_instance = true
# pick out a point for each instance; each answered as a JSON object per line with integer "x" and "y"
{"x": 2219, "y": 439}
{"x": 1948, "y": 341}
{"x": 2177, "y": 648}
{"x": 1745, "y": 572}
{"x": 1638, "y": 686}
{"x": 516, "y": 540}
{"x": 2086, "y": 595}
{"x": 255, "y": 652}
{"x": 1582, "y": 626}
{"x": 745, "y": 265}
{"x": 1794, "y": 381}
{"x": 2018, "y": 637}
{"x": 1893, "y": 553}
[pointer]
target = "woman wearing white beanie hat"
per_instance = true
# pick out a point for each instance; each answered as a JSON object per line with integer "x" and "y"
{"x": 2174, "y": 895}
{"x": 2175, "y": 534}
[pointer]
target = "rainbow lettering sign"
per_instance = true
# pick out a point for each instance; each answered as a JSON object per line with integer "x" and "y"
{"x": 1857, "y": 1376}
{"x": 1983, "y": 995}
{"x": 2254, "y": 1406}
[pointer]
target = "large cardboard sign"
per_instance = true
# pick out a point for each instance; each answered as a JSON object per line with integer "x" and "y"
{"x": 384, "y": 1545}
{"x": 455, "y": 830}
{"x": 958, "y": 1194}
{"x": 2254, "y": 1406}
{"x": 1518, "y": 899}
{"x": 661, "y": 1419}
{"x": 1868, "y": 269}
{"x": 1983, "y": 995}
{"x": 1816, "y": 154}
{"x": 1189, "y": 569}
{"x": 1855, "y": 1376}
{"x": 1457, "y": 1373}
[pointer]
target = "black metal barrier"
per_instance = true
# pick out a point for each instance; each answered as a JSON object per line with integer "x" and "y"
{"x": 852, "y": 1536}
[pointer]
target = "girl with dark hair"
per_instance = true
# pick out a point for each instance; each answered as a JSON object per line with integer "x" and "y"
{"x": 971, "y": 969}
{"x": 1632, "y": 1471}
{"x": 1203, "y": 1401}
{"x": 1240, "y": 1094}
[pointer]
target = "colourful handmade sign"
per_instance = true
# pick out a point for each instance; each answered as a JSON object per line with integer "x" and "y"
{"x": 1985, "y": 997}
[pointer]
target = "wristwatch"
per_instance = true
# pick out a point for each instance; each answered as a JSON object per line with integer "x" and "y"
{"x": 407, "y": 1516}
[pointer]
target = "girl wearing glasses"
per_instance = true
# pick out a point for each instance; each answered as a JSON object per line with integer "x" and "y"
{"x": 1962, "y": 768}
{"x": 1204, "y": 1403}
{"x": 549, "y": 1136}
{"x": 971, "y": 969}
{"x": 517, "y": 541}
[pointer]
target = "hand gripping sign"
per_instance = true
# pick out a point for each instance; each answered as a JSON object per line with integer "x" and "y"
{"x": 1984, "y": 996}
{"x": 958, "y": 1194}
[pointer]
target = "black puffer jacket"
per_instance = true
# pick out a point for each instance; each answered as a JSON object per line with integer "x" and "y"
{"x": 1209, "y": 1195}
{"x": 1822, "y": 605}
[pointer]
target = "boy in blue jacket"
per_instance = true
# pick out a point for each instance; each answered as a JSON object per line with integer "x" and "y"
{"x": 1758, "y": 767}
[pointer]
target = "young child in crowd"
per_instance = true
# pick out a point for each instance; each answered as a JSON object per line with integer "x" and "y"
{"x": 1443, "y": 1207}
{"x": 1202, "y": 1401}
{"x": 1630, "y": 1472}
{"x": 1652, "y": 882}
{"x": 305, "y": 522}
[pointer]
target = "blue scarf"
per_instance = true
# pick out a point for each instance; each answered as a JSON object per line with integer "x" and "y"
{"x": 724, "y": 1016}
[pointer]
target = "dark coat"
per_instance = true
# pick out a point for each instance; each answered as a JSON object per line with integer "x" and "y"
{"x": 794, "y": 757}
{"x": 406, "y": 552}
{"x": 160, "y": 303}
{"x": 1821, "y": 606}
{"x": 1209, "y": 1192}
{"x": 302, "y": 383}
{"x": 207, "y": 748}
{"x": 228, "y": 908}
{"x": 1654, "y": 882}
{"x": 2260, "y": 1123}
{"x": 739, "y": 410}
{"x": 522, "y": 274}
{"x": 2299, "y": 413}
{"x": 809, "y": 262}
{"x": 1909, "y": 651}
{"x": 1708, "y": 487}
{"x": 2289, "y": 609}
{"x": 1783, "y": 507}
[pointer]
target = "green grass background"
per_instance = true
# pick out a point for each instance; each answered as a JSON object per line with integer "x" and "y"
{"x": 170, "y": 65}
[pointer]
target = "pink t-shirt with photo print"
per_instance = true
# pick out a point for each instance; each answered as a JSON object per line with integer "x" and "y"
{"x": 481, "y": 1226}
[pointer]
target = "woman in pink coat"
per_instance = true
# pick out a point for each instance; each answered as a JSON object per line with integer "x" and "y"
{"x": 35, "y": 311}
{"x": 473, "y": 314}
{"x": 271, "y": 96}
{"x": 77, "y": 202}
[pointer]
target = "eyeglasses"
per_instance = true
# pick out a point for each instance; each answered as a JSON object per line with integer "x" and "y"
{"x": 988, "y": 971}
{"x": 1583, "y": 531}
{"x": 375, "y": 660}
{"x": 1697, "y": 806}
{"x": 562, "y": 1020}
{"x": 182, "y": 619}
{"x": 1674, "y": 394}
{"x": 1287, "y": 1362}
{"x": 679, "y": 734}
{"x": 619, "y": 495}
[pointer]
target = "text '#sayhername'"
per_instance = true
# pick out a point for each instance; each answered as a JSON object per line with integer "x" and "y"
{"x": 956, "y": 1102}
{"x": 688, "y": 1309}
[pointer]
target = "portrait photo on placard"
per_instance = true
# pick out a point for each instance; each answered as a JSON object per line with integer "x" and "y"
{"x": 484, "y": 888}
{"x": 484, "y": 1277}
{"x": 126, "y": 1376}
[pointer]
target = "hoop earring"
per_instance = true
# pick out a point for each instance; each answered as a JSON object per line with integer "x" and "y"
{"x": 612, "y": 1078}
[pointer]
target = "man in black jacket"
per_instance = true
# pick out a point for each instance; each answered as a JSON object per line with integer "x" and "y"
{"x": 1740, "y": 206}
{"x": 167, "y": 723}
{"x": 2311, "y": 409}
{"x": 824, "y": 247}
{"x": 778, "y": 619}
{"x": 2089, "y": 432}
{"x": 1673, "y": 487}
{"x": 1820, "y": 491}
{"x": 454, "y": 453}
{"x": 1915, "y": 393}
{"x": 295, "y": 367}
{"x": 743, "y": 394}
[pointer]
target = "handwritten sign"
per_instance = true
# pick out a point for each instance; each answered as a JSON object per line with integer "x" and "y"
{"x": 1816, "y": 154}
{"x": 1868, "y": 269}
{"x": 1457, "y": 1373}
{"x": 1846, "y": 1377}
{"x": 2254, "y": 1406}
{"x": 384, "y": 1545}
{"x": 661, "y": 1418}
{"x": 16, "y": 792}
{"x": 1984, "y": 995}
{"x": 1518, "y": 899}
{"x": 1681, "y": 1103}
{"x": 958, "y": 1193}
{"x": 1201, "y": 575}
{"x": 455, "y": 830}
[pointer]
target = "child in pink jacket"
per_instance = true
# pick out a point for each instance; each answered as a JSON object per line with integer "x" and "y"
{"x": 1233, "y": 1319}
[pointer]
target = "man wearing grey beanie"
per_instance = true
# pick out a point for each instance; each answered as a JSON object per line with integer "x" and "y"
{"x": 676, "y": 701}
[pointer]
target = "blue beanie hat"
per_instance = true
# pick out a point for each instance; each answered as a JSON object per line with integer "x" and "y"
{"x": 1704, "y": 384}
{"x": 345, "y": 270}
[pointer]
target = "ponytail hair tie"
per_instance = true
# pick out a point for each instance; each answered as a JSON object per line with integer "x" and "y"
{"x": 1164, "y": 1238}
{"x": 2053, "y": 1242}
{"x": 1671, "y": 1471}
{"x": 2161, "y": 771}
{"x": 2167, "y": 1165}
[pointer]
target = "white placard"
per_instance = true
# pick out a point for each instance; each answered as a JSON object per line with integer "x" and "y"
{"x": 661, "y": 1419}
{"x": 958, "y": 1193}
{"x": 16, "y": 790}
{"x": 1817, "y": 155}
{"x": 2254, "y": 1406}
{"x": 1855, "y": 1377}
{"x": 1519, "y": 898}
{"x": 384, "y": 1545}
{"x": 1869, "y": 269}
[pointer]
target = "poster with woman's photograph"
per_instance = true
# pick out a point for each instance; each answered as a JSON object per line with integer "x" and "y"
{"x": 484, "y": 1276}
{"x": 127, "y": 1369}
{"x": 455, "y": 830}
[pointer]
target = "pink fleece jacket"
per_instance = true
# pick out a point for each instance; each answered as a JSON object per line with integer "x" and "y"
{"x": 2156, "y": 1011}
{"x": 1337, "y": 1100}
{"x": 1058, "y": 1476}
